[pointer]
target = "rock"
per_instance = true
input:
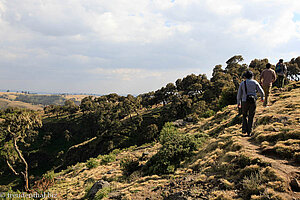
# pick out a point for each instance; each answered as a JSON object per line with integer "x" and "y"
{"x": 179, "y": 123}
{"x": 96, "y": 187}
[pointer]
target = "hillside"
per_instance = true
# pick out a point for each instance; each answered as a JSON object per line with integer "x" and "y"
{"x": 228, "y": 165}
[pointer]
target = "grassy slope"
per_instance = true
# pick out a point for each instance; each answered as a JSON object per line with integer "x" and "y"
{"x": 228, "y": 166}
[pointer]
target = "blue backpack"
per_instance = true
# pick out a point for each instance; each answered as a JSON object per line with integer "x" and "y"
{"x": 278, "y": 68}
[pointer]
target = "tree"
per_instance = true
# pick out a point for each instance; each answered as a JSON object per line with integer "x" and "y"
{"x": 257, "y": 66}
{"x": 18, "y": 127}
{"x": 293, "y": 69}
{"x": 70, "y": 107}
{"x": 87, "y": 104}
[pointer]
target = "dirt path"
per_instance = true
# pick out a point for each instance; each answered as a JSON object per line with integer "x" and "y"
{"x": 283, "y": 167}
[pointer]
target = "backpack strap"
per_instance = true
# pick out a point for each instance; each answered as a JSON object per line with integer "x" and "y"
{"x": 245, "y": 87}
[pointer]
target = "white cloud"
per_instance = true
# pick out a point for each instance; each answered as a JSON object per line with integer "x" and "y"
{"x": 136, "y": 45}
{"x": 224, "y": 7}
{"x": 270, "y": 31}
{"x": 125, "y": 74}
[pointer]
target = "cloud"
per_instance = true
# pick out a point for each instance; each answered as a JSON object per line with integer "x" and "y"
{"x": 125, "y": 74}
{"x": 139, "y": 45}
{"x": 224, "y": 7}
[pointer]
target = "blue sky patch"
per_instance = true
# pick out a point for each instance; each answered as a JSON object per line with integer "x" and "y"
{"x": 296, "y": 17}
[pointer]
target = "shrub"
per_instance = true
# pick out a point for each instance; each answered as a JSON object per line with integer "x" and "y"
{"x": 116, "y": 151}
{"x": 49, "y": 176}
{"x": 108, "y": 159}
{"x": 167, "y": 132}
{"x": 176, "y": 147}
{"x": 92, "y": 163}
{"x": 102, "y": 193}
{"x": 208, "y": 113}
{"x": 228, "y": 97}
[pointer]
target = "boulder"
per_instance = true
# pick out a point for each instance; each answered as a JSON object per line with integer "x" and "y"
{"x": 179, "y": 123}
{"x": 96, "y": 187}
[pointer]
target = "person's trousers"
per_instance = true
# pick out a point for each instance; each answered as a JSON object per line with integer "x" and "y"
{"x": 267, "y": 90}
{"x": 248, "y": 110}
{"x": 280, "y": 81}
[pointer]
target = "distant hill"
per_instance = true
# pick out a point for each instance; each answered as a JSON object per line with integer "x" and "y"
{"x": 4, "y": 103}
{"x": 35, "y": 101}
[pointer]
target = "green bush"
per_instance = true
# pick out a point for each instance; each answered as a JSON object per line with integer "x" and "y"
{"x": 208, "y": 113}
{"x": 49, "y": 176}
{"x": 116, "y": 151}
{"x": 167, "y": 132}
{"x": 102, "y": 193}
{"x": 176, "y": 148}
{"x": 92, "y": 163}
{"x": 228, "y": 97}
{"x": 108, "y": 159}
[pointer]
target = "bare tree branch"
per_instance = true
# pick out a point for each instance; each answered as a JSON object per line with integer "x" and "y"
{"x": 12, "y": 169}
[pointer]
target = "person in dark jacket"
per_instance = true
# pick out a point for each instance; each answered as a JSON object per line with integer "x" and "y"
{"x": 280, "y": 70}
{"x": 246, "y": 99}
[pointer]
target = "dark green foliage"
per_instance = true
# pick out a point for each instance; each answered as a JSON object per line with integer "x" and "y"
{"x": 228, "y": 97}
{"x": 105, "y": 159}
{"x": 176, "y": 148}
{"x": 167, "y": 133}
{"x": 293, "y": 69}
{"x": 92, "y": 163}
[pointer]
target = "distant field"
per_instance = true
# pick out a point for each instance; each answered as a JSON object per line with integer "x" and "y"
{"x": 4, "y": 103}
{"x": 76, "y": 98}
{"x": 35, "y": 101}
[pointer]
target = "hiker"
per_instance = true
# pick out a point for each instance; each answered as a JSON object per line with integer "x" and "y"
{"x": 267, "y": 78}
{"x": 280, "y": 70}
{"x": 246, "y": 99}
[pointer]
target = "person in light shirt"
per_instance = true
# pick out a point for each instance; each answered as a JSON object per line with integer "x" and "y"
{"x": 248, "y": 107}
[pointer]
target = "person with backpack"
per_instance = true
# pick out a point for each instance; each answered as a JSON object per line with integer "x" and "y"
{"x": 280, "y": 70}
{"x": 246, "y": 99}
{"x": 267, "y": 78}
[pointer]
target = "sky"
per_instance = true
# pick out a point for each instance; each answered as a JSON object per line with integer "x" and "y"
{"x": 136, "y": 46}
